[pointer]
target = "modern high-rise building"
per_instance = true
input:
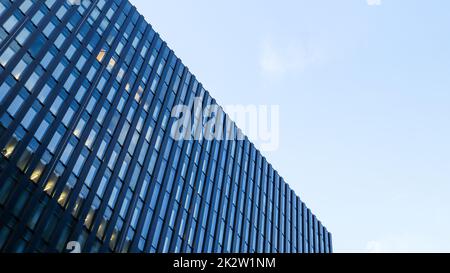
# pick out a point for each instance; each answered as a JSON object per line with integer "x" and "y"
{"x": 88, "y": 161}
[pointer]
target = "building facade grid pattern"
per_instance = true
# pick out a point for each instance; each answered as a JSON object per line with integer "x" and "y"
{"x": 86, "y": 94}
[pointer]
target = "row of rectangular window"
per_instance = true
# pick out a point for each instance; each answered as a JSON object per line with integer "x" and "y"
{"x": 238, "y": 159}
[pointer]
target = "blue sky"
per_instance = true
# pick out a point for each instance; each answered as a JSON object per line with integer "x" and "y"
{"x": 364, "y": 95}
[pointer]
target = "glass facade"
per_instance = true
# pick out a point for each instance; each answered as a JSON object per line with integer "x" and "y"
{"x": 86, "y": 94}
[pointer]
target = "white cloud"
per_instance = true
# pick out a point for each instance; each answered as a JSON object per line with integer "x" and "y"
{"x": 400, "y": 243}
{"x": 373, "y": 2}
{"x": 278, "y": 59}
{"x": 271, "y": 62}
{"x": 374, "y": 247}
